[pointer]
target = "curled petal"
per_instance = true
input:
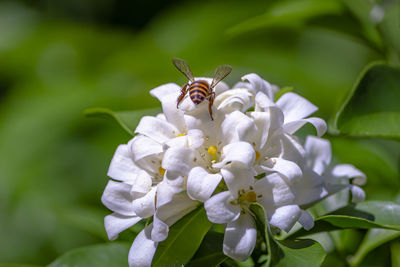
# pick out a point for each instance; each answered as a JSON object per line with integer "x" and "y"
{"x": 157, "y": 129}
{"x": 286, "y": 167}
{"x": 143, "y": 248}
{"x": 357, "y": 194}
{"x": 295, "y": 107}
{"x": 117, "y": 198}
{"x": 164, "y": 90}
{"x": 319, "y": 124}
{"x": 285, "y": 217}
{"x": 122, "y": 167}
{"x": 141, "y": 184}
{"x": 348, "y": 171}
{"x": 306, "y": 220}
{"x": 237, "y": 127}
{"x": 237, "y": 177}
{"x": 274, "y": 190}
{"x": 240, "y": 238}
{"x": 143, "y": 146}
{"x": 319, "y": 153}
{"x": 241, "y": 152}
{"x": 116, "y": 223}
{"x": 234, "y": 99}
{"x": 178, "y": 160}
{"x": 144, "y": 207}
{"x": 219, "y": 208}
{"x": 169, "y": 213}
{"x": 263, "y": 102}
{"x": 259, "y": 85}
{"x": 201, "y": 184}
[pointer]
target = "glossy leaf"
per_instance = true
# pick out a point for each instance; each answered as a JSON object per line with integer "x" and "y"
{"x": 210, "y": 251}
{"x": 301, "y": 253}
{"x": 183, "y": 240}
{"x": 287, "y": 13}
{"x": 108, "y": 254}
{"x": 128, "y": 120}
{"x": 366, "y": 215}
{"x": 372, "y": 108}
{"x": 373, "y": 239}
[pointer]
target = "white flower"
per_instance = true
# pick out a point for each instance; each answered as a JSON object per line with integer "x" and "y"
{"x": 337, "y": 177}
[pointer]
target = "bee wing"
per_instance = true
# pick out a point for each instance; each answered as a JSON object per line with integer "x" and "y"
{"x": 220, "y": 73}
{"x": 183, "y": 67}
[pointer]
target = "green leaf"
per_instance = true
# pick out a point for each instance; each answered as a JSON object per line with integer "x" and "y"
{"x": 108, "y": 254}
{"x": 390, "y": 30}
{"x": 373, "y": 239}
{"x": 210, "y": 251}
{"x": 372, "y": 108}
{"x": 184, "y": 238}
{"x": 395, "y": 251}
{"x": 17, "y": 265}
{"x": 366, "y": 215}
{"x": 301, "y": 253}
{"x": 287, "y": 14}
{"x": 128, "y": 120}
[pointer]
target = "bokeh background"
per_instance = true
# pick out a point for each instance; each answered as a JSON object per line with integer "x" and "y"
{"x": 58, "y": 58}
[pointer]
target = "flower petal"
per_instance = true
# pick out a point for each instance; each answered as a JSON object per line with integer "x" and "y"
{"x": 143, "y": 146}
{"x": 178, "y": 160}
{"x": 117, "y": 198}
{"x": 319, "y": 153}
{"x": 144, "y": 207}
{"x": 274, "y": 190}
{"x": 348, "y": 171}
{"x": 357, "y": 194}
{"x": 169, "y": 213}
{"x": 164, "y": 90}
{"x": 319, "y": 124}
{"x": 241, "y": 152}
{"x": 122, "y": 167}
{"x": 237, "y": 127}
{"x": 263, "y": 102}
{"x": 240, "y": 238}
{"x": 237, "y": 177}
{"x": 286, "y": 167}
{"x": 285, "y": 217}
{"x": 157, "y": 129}
{"x": 295, "y": 107}
{"x": 201, "y": 184}
{"x": 116, "y": 223}
{"x": 306, "y": 220}
{"x": 220, "y": 210}
{"x": 259, "y": 85}
{"x": 143, "y": 248}
{"x": 234, "y": 99}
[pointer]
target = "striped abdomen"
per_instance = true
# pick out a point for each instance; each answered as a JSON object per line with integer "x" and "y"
{"x": 198, "y": 90}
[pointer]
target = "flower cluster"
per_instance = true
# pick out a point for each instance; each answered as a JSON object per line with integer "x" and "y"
{"x": 181, "y": 158}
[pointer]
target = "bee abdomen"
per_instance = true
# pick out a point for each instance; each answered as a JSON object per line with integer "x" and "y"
{"x": 198, "y": 90}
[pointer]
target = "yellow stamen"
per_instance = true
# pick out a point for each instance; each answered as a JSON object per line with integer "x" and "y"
{"x": 212, "y": 150}
{"x": 161, "y": 170}
{"x": 258, "y": 155}
{"x": 179, "y": 135}
{"x": 251, "y": 196}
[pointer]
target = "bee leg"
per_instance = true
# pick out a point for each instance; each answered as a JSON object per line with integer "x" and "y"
{"x": 183, "y": 93}
{"x": 210, "y": 103}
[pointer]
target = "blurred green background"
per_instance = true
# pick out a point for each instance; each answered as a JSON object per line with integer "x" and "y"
{"x": 58, "y": 58}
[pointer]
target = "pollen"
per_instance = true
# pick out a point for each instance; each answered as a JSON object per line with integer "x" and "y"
{"x": 258, "y": 155}
{"x": 179, "y": 135}
{"x": 212, "y": 150}
{"x": 161, "y": 170}
{"x": 251, "y": 196}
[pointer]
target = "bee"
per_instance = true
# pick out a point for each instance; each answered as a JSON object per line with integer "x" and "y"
{"x": 200, "y": 90}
